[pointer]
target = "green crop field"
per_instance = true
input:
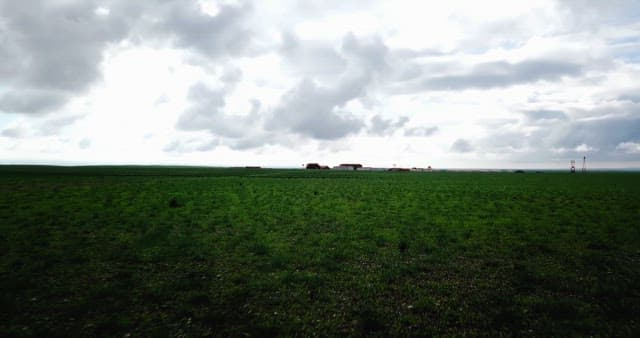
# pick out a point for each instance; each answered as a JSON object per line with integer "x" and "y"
{"x": 169, "y": 251}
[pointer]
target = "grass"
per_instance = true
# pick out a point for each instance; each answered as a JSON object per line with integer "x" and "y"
{"x": 170, "y": 251}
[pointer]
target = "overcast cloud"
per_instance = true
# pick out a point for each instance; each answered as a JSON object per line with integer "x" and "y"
{"x": 501, "y": 74}
{"x": 467, "y": 84}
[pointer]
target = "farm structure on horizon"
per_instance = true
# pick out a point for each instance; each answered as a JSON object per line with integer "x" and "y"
{"x": 427, "y": 169}
{"x": 316, "y": 166}
{"x": 360, "y": 167}
{"x": 348, "y": 166}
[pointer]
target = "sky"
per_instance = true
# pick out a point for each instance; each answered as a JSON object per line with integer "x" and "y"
{"x": 447, "y": 84}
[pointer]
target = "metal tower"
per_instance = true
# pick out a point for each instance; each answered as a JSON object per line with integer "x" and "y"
{"x": 573, "y": 166}
{"x": 584, "y": 164}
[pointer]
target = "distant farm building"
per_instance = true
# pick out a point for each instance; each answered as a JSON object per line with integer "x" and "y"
{"x": 348, "y": 166}
{"x": 399, "y": 169}
{"x": 316, "y": 166}
{"x": 427, "y": 169}
{"x": 371, "y": 169}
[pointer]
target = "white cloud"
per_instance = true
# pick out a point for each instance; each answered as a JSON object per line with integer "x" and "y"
{"x": 584, "y": 148}
{"x": 629, "y": 147}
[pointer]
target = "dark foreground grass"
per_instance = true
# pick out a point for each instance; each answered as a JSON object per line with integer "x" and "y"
{"x": 162, "y": 251}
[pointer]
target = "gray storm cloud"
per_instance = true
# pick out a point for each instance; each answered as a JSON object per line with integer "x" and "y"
{"x": 421, "y": 131}
{"x": 225, "y": 34}
{"x": 207, "y": 113}
{"x": 52, "y": 50}
{"x": 55, "y": 126}
{"x": 381, "y": 126}
{"x": 503, "y": 74}
{"x": 461, "y": 146}
{"x": 308, "y": 109}
{"x": 32, "y": 101}
{"x": 559, "y": 135}
{"x": 604, "y": 134}
{"x": 15, "y": 132}
{"x": 314, "y": 111}
{"x": 317, "y": 111}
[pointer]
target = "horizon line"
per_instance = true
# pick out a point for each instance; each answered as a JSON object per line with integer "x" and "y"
{"x": 71, "y": 165}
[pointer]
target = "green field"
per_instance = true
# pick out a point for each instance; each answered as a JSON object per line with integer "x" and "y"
{"x": 166, "y": 251}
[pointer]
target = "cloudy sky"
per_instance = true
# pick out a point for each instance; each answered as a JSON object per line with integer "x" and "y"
{"x": 471, "y": 84}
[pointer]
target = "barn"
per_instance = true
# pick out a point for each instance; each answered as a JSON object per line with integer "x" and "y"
{"x": 348, "y": 166}
{"x": 316, "y": 166}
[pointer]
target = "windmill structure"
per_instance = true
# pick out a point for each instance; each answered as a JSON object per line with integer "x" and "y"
{"x": 573, "y": 166}
{"x": 584, "y": 164}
